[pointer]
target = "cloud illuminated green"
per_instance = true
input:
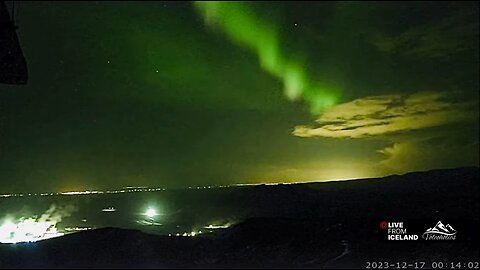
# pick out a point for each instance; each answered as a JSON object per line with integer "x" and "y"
{"x": 240, "y": 23}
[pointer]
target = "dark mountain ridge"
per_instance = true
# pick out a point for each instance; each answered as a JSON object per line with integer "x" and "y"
{"x": 313, "y": 225}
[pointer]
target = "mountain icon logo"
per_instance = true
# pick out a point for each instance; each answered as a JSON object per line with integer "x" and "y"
{"x": 440, "y": 232}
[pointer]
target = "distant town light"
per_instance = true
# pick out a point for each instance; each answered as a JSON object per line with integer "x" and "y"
{"x": 212, "y": 226}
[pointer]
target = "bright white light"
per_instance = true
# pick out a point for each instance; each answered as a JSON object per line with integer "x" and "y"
{"x": 27, "y": 230}
{"x": 151, "y": 212}
{"x": 34, "y": 228}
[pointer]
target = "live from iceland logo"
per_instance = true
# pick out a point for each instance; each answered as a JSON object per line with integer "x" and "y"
{"x": 397, "y": 231}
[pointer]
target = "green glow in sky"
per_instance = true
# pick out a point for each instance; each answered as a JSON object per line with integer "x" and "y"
{"x": 240, "y": 23}
{"x": 176, "y": 94}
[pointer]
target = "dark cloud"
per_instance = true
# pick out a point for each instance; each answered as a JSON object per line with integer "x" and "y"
{"x": 449, "y": 35}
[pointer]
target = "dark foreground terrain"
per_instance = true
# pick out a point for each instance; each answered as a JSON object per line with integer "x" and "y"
{"x": 323, "y": 225}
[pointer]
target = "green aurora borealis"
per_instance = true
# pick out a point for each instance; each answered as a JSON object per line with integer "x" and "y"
{"x": 176, "y": 94}
{"x": 244, "y": 27}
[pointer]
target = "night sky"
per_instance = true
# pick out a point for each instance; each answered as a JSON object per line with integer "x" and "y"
{"x": 174, "y": 94}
